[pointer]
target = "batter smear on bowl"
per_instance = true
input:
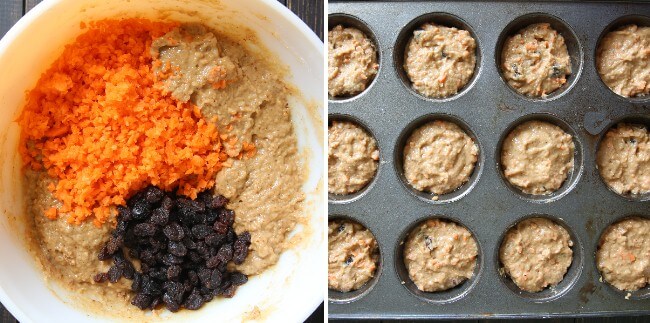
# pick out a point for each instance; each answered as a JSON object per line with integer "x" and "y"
{"x": 135, "y": 103}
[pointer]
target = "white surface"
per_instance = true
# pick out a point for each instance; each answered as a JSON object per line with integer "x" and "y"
{"x": 288, "y": 292}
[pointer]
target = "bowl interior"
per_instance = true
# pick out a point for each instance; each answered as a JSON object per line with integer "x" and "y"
{"x": 36, "y": 41}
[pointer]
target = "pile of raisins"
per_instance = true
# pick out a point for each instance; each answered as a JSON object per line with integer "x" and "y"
{"x": 183, "y": 246}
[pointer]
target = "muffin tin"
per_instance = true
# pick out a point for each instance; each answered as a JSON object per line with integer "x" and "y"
{"x": 487, "y": 108}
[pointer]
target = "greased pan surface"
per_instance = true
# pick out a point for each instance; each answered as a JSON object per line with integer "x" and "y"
{"x": 487, "y": 108}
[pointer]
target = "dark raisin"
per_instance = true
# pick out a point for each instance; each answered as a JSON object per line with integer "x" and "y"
{"x": 153, "y": 194}
{"x": 557, "y": 71}
{"x": 189, "y": 243}
{"x": 215, "y": 279}
{"x": 140, "y": 209}
{"x": 220, "y": 228}
{"x": 229, "y": 291}
{"x": 194, "y": 301}
{"x": 200, "y": 231}
{"x": 100, "y": 278}
{"x": 230, "y": 236}
{"x": 114, "y": 244}
{"x": 428, "y": 242}
{"x": 159, "y": 216}
{"x": 170, "y": 304}
{"x": 211, "y": 215}
{"x": 203, "y": 250}
{"x": 341, "y": 228}
{"x": 158, "y": 274}
{"x": 170, "y": 259}
{"x": 177, "y": 249}
{"x": 144, "y": 229}
{"x": 114, "y": 274}
{"x": 225, "y": 253}
{"x": 187, "y": 208}
{"x": 123, "y": 213}
{"x": 175, "y": 290}
{"x": 150, "y": 286}
{"x": 240, "y": 248}
{"x": 120, "y": 228}
{"x": 218, "y": 201}
{"x": 227, "y": 217}
{"x": 515, "y": 69}
{"x": 238, "y": 278}
{"x": 167, "y": 203}
{"x": 213, "y": 262}
{"x": 194, "y": 257}
{"x": 193, "y": 278}
{"x": 136, "y": 285}
{"x": 103, "y": 254}
{"x": 214, "y": 239}
{"x": 147, "y": 256}
{"x": 142, "y": 301}
{"x": 156, "y": 301}
{"x": 349, "y": 260}
{"x": 173, "y": 272}
{"x": 174, "y": 232}
{"x": 128, "y": 271}
{"x": 204, "y": 276}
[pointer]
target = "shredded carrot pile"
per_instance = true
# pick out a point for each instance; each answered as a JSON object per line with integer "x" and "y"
{"x": 98, "y": 123}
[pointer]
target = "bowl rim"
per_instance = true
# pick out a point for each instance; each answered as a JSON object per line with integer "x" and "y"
{"x": 314, "y": 43}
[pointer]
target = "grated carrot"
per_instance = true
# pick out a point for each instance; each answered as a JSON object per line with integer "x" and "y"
{"x": 98, "y": 123}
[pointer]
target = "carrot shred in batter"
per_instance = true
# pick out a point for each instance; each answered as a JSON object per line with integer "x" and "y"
{"x": 98, "y": 122}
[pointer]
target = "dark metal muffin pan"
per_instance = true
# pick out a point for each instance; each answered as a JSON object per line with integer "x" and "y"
{"x": 487, "y": 205}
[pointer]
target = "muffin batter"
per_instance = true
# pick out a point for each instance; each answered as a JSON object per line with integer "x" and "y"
{"x": 623, "y": 159}
{"x": 352, "y": 158}
{"x": 440, "y": 60}
{"x": 535, "y": 61}
{"x": 351, "y": 61}
{"x": 623, "y": 60}
{"x": 537, "y": 157}
{"x": 536, "y": 253}
{"x": 623, "y": 255}
{"x": 440, "y": 255}
{"x": 352, "y": 255}
{"x": 264, "y": 188}
{"x": 439, "y": 157}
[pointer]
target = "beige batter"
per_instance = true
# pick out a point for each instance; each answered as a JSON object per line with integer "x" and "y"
{"x": 352, "y": 158}
{"x": 623, "y": 159}
{"x": 537, "y": 157}
{"x": 264, "y": 190}
{"x": 439, "y": 157}
{"x": 623, "y": 60}
{"x": 623, "y": 255}
{"x": 351, "y": 61}
{"x": 536, "y": 253}
{"x": 535, "y": 61}
{"x": 440, "y": 60}
{"x": 440, "y": 255}
{"x": 353, "y": 255}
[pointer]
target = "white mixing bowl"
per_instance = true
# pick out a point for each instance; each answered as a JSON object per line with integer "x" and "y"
{"x": 289, "y": 291}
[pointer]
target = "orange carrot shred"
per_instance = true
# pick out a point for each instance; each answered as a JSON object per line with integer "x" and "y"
{"x": 101, "y": 126}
